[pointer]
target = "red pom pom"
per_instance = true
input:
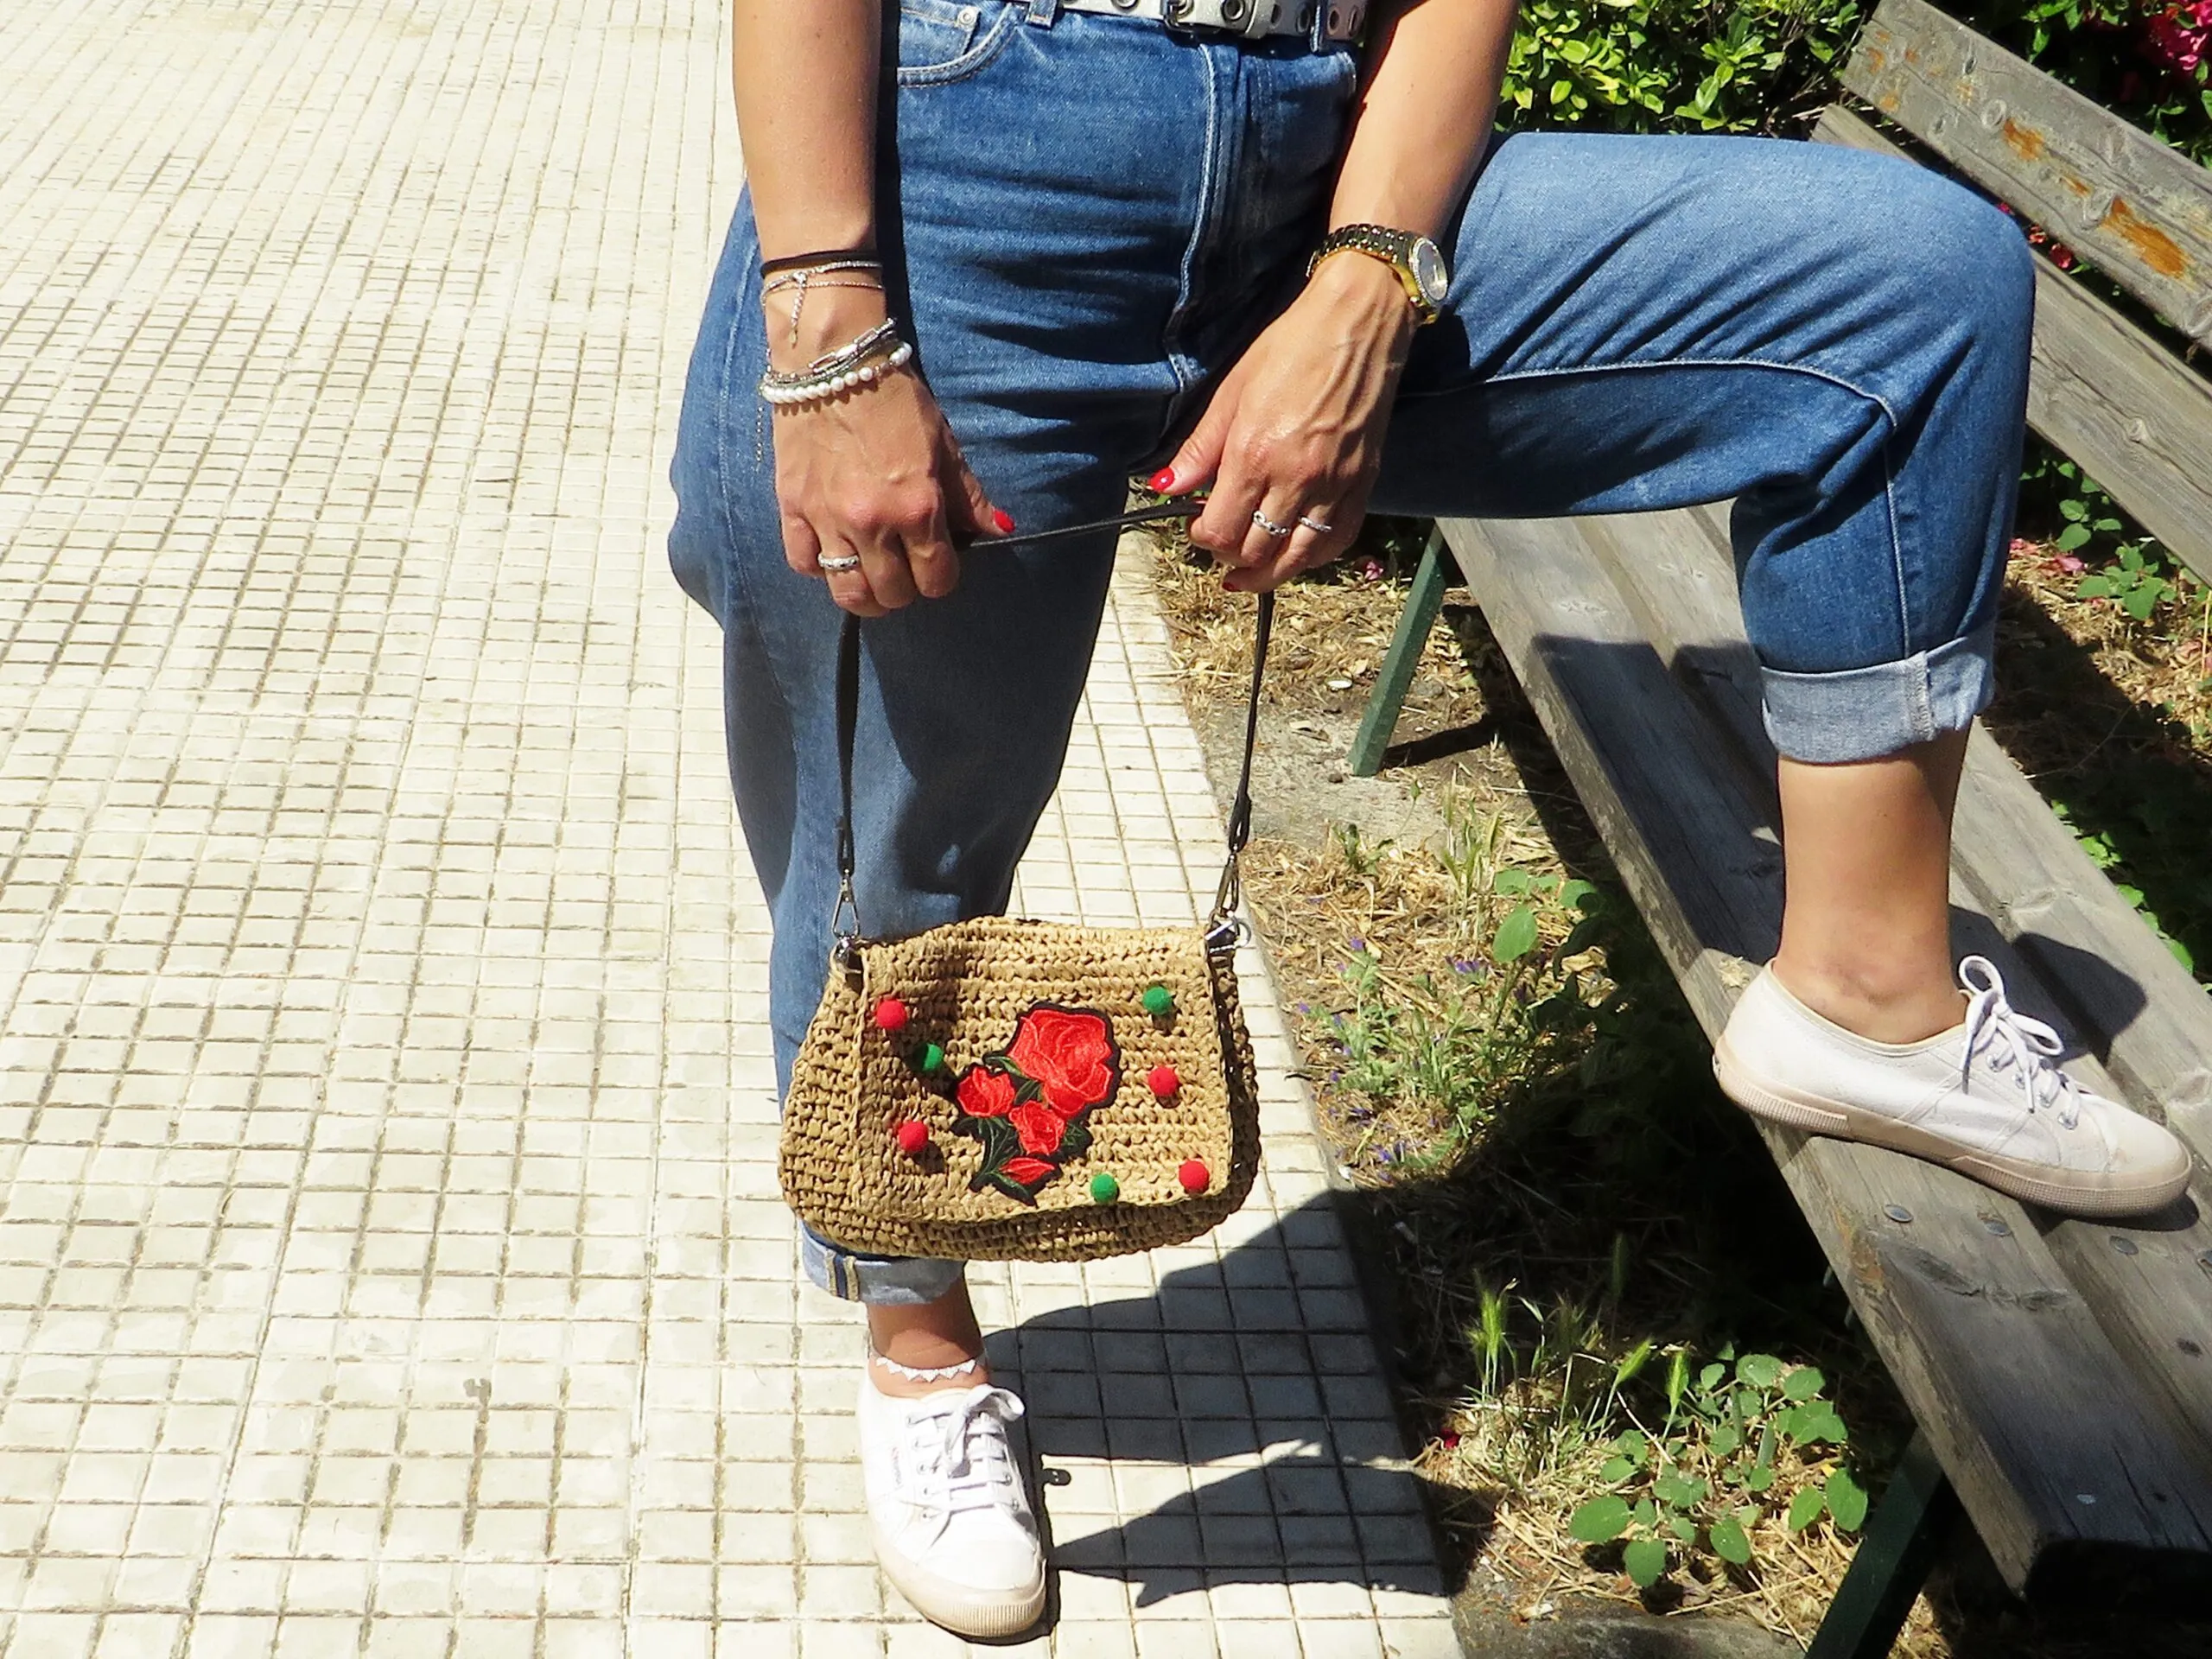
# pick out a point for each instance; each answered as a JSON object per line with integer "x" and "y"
{"x": 1194, "y": 1176}
{"x": 891, "y": 1015}
{"x": 914, "y": 1135}
{"x": 1162, "y": 1081}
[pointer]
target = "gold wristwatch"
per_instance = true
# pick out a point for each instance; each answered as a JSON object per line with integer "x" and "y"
{"x": 1417, "y": 260}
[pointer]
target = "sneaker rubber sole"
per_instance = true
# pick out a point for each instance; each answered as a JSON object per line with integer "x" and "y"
{"x": 2076, "y": 1192}
{"x": 961, "y": 1608}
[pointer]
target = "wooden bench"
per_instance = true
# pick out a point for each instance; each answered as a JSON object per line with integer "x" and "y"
{"x": 2060, "y": 1371}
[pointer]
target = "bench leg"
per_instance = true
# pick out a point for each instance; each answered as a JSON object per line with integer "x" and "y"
{"x": 1907, "y": 1529}
{"x": 1381, "y": 719}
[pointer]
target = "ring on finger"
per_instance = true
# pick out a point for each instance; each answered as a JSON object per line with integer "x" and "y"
{"x": 1269, "y": 525}
{"x": 836, "y": 564}
{"x": 1314, "y": 524}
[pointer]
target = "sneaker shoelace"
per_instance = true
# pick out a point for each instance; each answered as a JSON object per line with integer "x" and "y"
{"x": 2010, "y": 1038}
{"x": 958, "y": 1457}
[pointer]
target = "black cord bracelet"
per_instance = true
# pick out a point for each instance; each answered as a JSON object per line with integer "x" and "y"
{"x": 800, "y": 261}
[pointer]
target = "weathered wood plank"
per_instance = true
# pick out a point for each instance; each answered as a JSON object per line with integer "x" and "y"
{"x": 2139, "y": 421}
{"x": 2017, "y": 1386}
{"x": 2073, "y": 948}
{"x": 2138, "y": 209}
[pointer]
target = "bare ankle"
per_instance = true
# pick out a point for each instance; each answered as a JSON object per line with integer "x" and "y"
{"x": 1883, "y": 1007}
{"x": 916, "y": 1350}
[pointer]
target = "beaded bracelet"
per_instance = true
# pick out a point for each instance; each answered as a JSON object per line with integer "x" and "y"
{"x": 866, "y": 360}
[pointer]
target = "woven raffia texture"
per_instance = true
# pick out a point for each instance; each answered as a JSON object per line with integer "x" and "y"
{"x": 965, "y": 987}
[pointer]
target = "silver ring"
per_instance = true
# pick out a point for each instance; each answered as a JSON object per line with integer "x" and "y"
{"x": 839, "y": 563}
{"x": 1313, "y": 525}
{"x": 1269, "y": 525}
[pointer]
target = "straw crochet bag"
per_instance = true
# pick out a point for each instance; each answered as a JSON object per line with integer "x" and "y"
{"x": 995, "y": 1089}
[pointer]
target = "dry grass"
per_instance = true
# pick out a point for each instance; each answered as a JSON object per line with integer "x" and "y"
{"x": 2112, "y": 717}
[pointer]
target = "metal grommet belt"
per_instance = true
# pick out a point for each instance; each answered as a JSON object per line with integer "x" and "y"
{"x": 1248, "y": 20}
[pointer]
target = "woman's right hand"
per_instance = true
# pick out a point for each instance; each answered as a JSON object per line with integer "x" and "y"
{"x": 874, "y": 471}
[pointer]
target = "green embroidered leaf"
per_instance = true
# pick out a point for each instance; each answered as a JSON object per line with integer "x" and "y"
{"x": 1006, "y": 1184}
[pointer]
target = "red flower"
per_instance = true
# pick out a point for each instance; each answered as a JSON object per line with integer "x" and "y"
{"x": 1070, "y": 1054}
{"x": 1040, "y": 1128}
{"x": 1027, "y": 1104}
{"x": 985, "y": 1094}
{"x": 1029, "y": 1172}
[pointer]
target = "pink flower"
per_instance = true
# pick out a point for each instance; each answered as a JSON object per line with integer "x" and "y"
{"x": 2171, "y": 41}
{"x": 2069, "y": 565}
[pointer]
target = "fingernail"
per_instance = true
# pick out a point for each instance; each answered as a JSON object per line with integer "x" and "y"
{"x": 1162, "y": 480}
{"x": 1003, "y": 519}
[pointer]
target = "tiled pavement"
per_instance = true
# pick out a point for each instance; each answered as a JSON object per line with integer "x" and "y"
{"x": 390, "y": 1257}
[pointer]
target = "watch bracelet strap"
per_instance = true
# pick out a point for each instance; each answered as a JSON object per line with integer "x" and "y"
{"x": 1239, "y": 826}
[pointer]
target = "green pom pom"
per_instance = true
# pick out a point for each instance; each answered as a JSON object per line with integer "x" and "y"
{"x": 1159, "y": 1001}
{"x": 1104, "y": 1189}
{"x": 929, "y": 1059}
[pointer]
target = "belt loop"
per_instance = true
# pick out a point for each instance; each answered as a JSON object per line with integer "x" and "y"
{"x": 1042, "y": 12}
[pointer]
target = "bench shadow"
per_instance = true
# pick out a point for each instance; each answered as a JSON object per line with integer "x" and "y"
{"x": 1235, "y": 1425}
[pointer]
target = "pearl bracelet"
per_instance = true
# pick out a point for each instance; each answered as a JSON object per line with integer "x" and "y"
{"x": 863, "y": 362}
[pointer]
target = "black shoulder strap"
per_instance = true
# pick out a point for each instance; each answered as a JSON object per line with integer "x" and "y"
{"x": 1221, "y": 926}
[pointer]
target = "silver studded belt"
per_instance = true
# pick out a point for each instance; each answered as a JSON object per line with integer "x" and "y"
{"x": 1251, "y": 20}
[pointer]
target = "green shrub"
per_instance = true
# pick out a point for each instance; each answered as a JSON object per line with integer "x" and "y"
{"x": 1767, "y": 65}
{"x": 1657, "y": 65}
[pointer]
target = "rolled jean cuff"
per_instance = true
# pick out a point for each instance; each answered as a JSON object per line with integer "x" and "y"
{"x": 900, "y": 1281}
{"x": 1863, "y": 714}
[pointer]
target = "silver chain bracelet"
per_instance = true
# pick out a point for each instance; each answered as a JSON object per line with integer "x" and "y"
{"x": 864, "y": 361}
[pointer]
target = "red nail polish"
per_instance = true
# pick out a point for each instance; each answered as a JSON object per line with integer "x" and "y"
{"x": 1162, "y": 480}
{"x": 1003, "y": 519}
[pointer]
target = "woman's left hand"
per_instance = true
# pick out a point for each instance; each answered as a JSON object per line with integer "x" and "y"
{"x": 1294, "y": 430}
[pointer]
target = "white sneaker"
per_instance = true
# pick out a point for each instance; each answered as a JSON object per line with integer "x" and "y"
{"x": 1983, "y": 1098}
{"x": 953, "y": 1527}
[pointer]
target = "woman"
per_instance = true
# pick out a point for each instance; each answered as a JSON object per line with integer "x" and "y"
{"x": 1000, "y": 256}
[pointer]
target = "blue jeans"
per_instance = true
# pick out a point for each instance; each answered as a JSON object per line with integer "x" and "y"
{"x": 1088, "y": 217}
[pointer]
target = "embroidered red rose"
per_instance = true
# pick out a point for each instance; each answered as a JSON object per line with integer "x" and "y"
{"x": 1069, "y": 1053}
{"x": 1025, "y": 1103}
{"x": 1040, "y": 1127}
{"x": 984, "y": 1094}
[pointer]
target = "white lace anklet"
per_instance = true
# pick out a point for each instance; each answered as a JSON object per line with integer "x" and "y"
{"x": 922, "y": 1373}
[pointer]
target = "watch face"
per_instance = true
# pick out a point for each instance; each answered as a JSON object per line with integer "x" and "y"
{"x": 1429, "y": 271}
